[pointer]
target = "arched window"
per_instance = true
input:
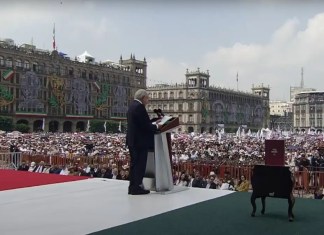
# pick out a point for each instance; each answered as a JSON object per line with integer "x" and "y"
{"x": 42, "y": 67}
{"x": 58, "y": 70}
{"x": 35, "y": 67}
{"x": 52, "y": 69}
{"x": 1, "y": 61}
{"x": 26, "y": 64}
{"x": 191, "y": 106}
{"x": 70, "y": 71}
{"x": 9, "y": 62}
{"x": 84, "y": 74}
{"x": 18, "y": 64}
{"x": 64, "y": 70}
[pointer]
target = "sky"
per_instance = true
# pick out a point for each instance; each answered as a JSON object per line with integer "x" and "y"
{"x": 259, "y": 42}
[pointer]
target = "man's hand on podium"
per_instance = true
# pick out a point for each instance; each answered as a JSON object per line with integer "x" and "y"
{"x": 158, "y": 125}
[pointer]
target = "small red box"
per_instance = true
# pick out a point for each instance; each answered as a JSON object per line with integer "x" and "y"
{"x": 275, "y": 152}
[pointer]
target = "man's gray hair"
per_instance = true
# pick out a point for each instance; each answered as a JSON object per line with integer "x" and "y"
{"x": 140, "y": 94}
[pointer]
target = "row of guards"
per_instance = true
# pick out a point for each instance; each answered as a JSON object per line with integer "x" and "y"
{"x": 306, "y": 181}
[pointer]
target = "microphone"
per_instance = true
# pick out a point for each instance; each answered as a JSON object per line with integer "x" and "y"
{"x": 160, "y": 112}
{"x": 156, "y": 111}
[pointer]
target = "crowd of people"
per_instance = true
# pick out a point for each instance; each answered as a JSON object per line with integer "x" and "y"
{"x": 302, "y": 150}
{"x": 109, "y": 171}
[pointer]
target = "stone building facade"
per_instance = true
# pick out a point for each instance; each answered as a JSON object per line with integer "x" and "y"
{"x": 48, "y": 90}
{"x": 308, "y": 111}
{"x": 204, "y": 108}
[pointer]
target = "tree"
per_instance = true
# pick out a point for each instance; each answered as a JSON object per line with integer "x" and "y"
{"x": 23, "y": 128}
{"x": 6, "y": 124}
{"x": 97, "y": 126}
{"x": 112, "y": 126}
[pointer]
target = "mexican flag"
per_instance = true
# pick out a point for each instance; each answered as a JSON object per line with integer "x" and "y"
{"x": 9, "y": 74}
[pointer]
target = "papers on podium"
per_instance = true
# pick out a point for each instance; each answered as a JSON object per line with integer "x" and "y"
{"x": 164, "y": 120}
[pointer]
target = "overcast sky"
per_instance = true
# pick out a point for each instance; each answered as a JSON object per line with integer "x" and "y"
{"x": 265, "y": 42}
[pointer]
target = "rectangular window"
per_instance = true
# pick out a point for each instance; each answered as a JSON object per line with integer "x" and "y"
{"x": 180, "y": 107}
{"x": 319, "y": 122}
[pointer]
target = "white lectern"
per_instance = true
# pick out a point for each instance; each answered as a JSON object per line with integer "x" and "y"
{"x": 158, "y": 176}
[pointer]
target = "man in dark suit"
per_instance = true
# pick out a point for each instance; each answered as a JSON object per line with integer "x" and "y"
{"x": 139, "y": 131}
{"x": 23, "y": 167}
{"x": 40, "y": 168}
{"x": 114, "y": 174}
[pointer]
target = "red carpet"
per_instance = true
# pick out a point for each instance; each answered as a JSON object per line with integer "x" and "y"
{"x": 11, "y": 179}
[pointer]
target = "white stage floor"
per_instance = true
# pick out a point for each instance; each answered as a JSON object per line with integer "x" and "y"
{"x": 86, "y": 206}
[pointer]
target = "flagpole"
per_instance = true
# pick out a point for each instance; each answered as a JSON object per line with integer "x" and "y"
{"x": 237, "y": 81}
{"x": 119, "y": 127}
{"x": 88, "y": 126}
{"x": 54, "y": 43}
{"x": 43, "y": 124}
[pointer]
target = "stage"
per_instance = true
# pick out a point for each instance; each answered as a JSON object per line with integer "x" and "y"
{"x": 102, "y": 206}
{"x": 85, "y": 206}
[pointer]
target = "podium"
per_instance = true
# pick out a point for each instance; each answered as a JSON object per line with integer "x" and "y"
{"x": 158, "y": 175}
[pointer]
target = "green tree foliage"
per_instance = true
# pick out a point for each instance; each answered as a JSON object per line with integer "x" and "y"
{"x": 98, "y": 126}
{"x": 6, "y": 124}
{"x": 112, "y": 126}
{"x": 23, "y": 128}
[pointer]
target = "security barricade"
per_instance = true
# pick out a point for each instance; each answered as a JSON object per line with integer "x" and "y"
{"x": 306, "y": 181}
{"x": 10, "y": 160}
